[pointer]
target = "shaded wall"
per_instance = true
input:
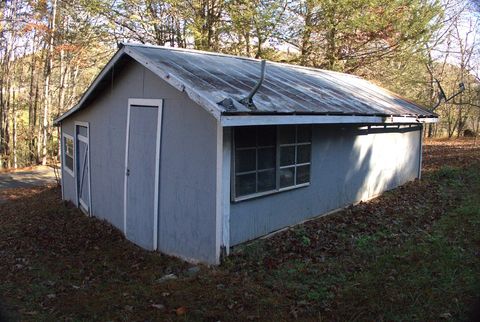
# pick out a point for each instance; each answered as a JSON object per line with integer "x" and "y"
{"x": 187, "y": 162}
{"x": 349, "y": 164}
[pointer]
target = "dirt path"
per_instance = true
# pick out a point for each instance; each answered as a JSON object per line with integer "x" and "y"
{"x": 33, "y": 177}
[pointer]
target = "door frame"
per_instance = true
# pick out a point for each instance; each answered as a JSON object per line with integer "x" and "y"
{"x": 149, "y": 103}
{"x": 85, "y": 140}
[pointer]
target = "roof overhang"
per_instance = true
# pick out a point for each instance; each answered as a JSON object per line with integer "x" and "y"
{"x": 245, "y": 120}
{"x": 104, "y": 73}
{"x": 209, "y": 105}
{"x": 225, "y": 118}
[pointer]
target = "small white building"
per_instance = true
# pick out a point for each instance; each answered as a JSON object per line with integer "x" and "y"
{"x": 165, "y": 146}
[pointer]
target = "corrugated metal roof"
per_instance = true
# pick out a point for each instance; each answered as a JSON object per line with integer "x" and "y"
{"x": 209, "y": 78}
{"x": 285, "y": 89}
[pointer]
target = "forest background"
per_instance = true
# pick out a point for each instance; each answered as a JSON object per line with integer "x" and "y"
{"x": 51, "y": 50}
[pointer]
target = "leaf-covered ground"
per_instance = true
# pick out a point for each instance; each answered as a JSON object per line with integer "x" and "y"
{"x": 411, "y": 254}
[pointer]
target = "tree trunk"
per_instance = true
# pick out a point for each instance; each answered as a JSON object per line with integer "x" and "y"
{"x": 31, "y": 103}
{"x": 10, "y": 15}
{"x": 5, "y": 102}
{"x": 48, "y": 71}
{"x": 36, "y": 135}
{"x": 306, "y": 45}
{"x": 64, "y": 84}
{"x": 14, "y": 131}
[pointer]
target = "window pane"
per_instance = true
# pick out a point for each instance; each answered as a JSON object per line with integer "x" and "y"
{"x": 266, "y": 180}
{"x": 287, "y": 134}
{"x": 304, "y": 133}
{"x": 82, "y": 130}
{"x": 68, "y": 146}
{"x": 266, "y": 158}
{"x": 303, "y": 174}
{"x": 286, "y": 177}
{"x": 287, "y": 155}
{"x": 245, "y": 136}
{"x": 303, "y": 153}
{"x": 245, "y": 184}
{"x": 245, "y": 160}
{"x": 267, "y": 135}
{"x": 69, "y": 162}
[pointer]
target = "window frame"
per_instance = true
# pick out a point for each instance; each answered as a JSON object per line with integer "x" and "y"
{"x": 277, "y": 189}
{"x": 66, "y": 137}
{"x": 295, "y": 165}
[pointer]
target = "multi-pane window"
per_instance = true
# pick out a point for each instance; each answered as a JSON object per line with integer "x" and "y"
{"x": 295, "y": 148}
{"x": 68, "y": 153}
{"x": 255, "y": 159}
{"x": 270, "y": 158}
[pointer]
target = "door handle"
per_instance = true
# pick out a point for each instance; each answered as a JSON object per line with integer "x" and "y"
{"x": 128, "y": 172}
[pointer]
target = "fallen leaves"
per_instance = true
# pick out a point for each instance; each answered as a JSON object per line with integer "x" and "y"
{"x": 57, "y": 264}
{"x": 168, "y": 277}
{"x": 158, "y": 306}
{"x": 455, "y": 153}
{"x": 182, "y": 310}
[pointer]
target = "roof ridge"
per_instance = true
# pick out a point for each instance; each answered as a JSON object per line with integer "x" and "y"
{"x": 213, "y": 53}
{"x": 190, "y": 50}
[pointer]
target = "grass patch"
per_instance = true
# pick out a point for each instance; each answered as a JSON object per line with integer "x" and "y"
{"x": 434, "y": 276}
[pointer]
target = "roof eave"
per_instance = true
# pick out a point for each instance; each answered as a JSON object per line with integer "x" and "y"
{"x": 92, "y": 86}
{"x": 245, "y": 120}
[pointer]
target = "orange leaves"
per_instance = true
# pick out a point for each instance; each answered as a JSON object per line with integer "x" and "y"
{"x": 182, "y": 310}
{"x": 67, "y": 48}
{"x": 37, "y": 26}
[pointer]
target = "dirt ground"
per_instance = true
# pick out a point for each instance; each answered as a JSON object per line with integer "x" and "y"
{"x": 30, "y": 177}
{"x": 411, "y": 254}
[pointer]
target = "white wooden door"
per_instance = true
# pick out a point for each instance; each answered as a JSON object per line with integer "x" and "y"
{"x": 142, "y": 172}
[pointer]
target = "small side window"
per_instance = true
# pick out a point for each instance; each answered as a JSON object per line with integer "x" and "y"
{"x": 68, "y": 154}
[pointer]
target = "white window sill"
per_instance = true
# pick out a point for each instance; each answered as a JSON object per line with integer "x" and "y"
{"x": 270, "y": 192}
{"x": 70, "y": 172}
